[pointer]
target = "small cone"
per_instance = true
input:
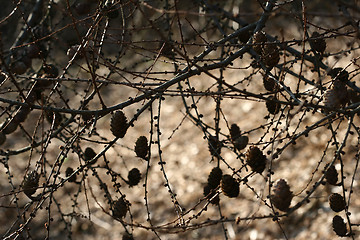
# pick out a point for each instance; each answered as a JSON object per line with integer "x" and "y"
{"x": 10, "y": 126}
{"x": 214, "y": 146}
{"x": 337, "y": 202}
{"x": 120, "y": 208}
{"x": 339, "y": 74}
{"x": 259, "y": 40}
{"x": 336, "y": 96}
{"x": 31, "y": 183}
{"x": 271, "y": 55}
{"x": 134, "y": 177}
{"x": 318, "y": 45}
{"x": 282, "y": 196}
{"x": 229, "y": 186}
{"x": 272, "y": 105}
{"x": 141, "y": 147}
{"x": 269, "y": 83}
{"x": 234, "y": 131}
{"x": 256, "y": 159}
{"x": 331, "y": 175}
{"x": 68, "y": 173}
{"x": 339, "y": 226}
{"x": 50, "y": 117}
{"x": 241, "y": 142}
{"x": 22, "y": 114}
{"x": 119, "y": 124}
{"x": 214, "y": 178}
{"x": 89, "y": 154}
{"x": 208, "y": 190}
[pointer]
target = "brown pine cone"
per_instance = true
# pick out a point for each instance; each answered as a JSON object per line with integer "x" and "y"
{"x": 89, "y": 154}
{"x": 120, "y": 208}
{"x": 214, "y": 177}
{"x": 50, "y": 117}
{"x": 272, "y": 105}
{"x": 9, "y": 126}
{"x": 339, "y": 74}
{"x": 68, "y": 173}
{"x": 134, "y": 177}
{"x": 210, "y": 193}
{"x": 259, "y": 40}
{"x": 229, "y": 186}
{"x": 18, "y": 67}
{"x": 318, "y": 45}
{"x": 256, "y": 159}
{"x": 341, "y": 90}
{"x": 141, "y": 147}
{"x": 234, "y": 131}
{"x": 31, "y": 183}
{"x": 331, "y": 175}
{"x": 244, "y": 36}
{"x": 119, "y": 124}
{"x": 271, "y": 55}
{"x": 269, "y": 83}
{"x": 22, "y": 114}
{"x": 337, "y": 202}
{"x": 336, "y": 96}
{"x": 330, "y": 99}
{"x": 339, "y": 226}
{"x": 241, "y": 142}
{"x": 282, "y": 196}
{"x": 214, "y": 146}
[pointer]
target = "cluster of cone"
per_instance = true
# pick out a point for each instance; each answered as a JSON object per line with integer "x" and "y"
{"x": 269, "y": 51}
{"x": 336, "y": 201}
